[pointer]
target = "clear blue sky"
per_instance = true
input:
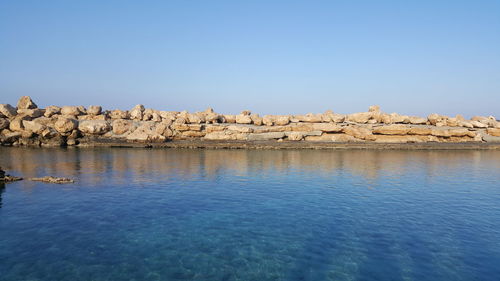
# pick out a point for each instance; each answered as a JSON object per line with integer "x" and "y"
{"x": 413, "y": 57}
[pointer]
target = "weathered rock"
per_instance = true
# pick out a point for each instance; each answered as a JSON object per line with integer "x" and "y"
{"x": 136, "y": 113}
{"x": 70, "y": 110}
{"x": 256, "y": 119}
{"x": 417, "y": 120}
{"x": 94, "y": 110}
{"x": 243, "y": 119}
{"x": 8, "y": 110}
{"x": 52, "y": 110}
{"x": 326, "y": 127}
{"x": 4, "y": 123}
{"x": 34, "y": 127}
{"x": 240, "y": 129}
{"x": 230, "y": 118}
{"x": 477, "y": 124}
{"x": 295, "y": 136}
{"x": 401, "y": 139}
{"x": 265, "y": 136}
{"x": 16, "y": 124}
{"x": 397, "y": 118}
{"x": 119, "y": 114}
{"x": 121, "y": 126}
{"x": 420, "y": 131}
{"x": 395, "y": 129}
{"x": 493, "y": 132}
{"x": 25, "y": 102}
{"x": 32, "y": 113}
{"x": 435, "y": 118}
{"x": 359, "y": 132}
{"x": 94, "y": 127}
{"x": 146, "y": 132}
{"x": 281, "y": 120}
{"x": 374, "y": 108}
{"x": 268, "y": 120}
{"x": 343, "y": 138}
{"x": 50, "y": 179}
{"x": 65, "y": 125}
{"x": 361, "y": 117}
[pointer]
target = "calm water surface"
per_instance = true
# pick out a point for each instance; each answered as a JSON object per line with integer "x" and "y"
{"x": 139, "y": 214}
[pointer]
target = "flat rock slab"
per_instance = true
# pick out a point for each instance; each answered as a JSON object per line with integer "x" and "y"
{"x": 50, "y": 179}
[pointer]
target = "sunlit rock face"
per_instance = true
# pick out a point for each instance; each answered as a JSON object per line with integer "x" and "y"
{"x": 26, "y": 124}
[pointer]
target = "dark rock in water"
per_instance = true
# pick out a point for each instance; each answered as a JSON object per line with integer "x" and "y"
{"x": 50, "y": 179}
{"x": 7, "y": 178}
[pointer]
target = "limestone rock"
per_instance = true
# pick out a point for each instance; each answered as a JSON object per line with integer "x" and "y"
{"x": 417, "y": 120}
{"x": 359, "y": 132}
{"x": 477, "y": 124}
{"x": 420, "y": 131}
{"x": 32, "y": 113}
{"x": 343, "y": 138}
{"x": 256, "y": 119}
{"x": 52, "y": 110}
{"x": 7, "y": 110}
{"x": 240, "y": 129}
{"x": 119, "y": 114}
{"x": 230, "y": 118}
{"x": 70, "y": 110}
{"x": 243, "y": 119}
{"x": 397, "y": 118}
{"x": 121, "y": 126}
{"x": 265, "y": 136}
{"x": 136, "y": 113}
{"x": 268, "y": 120}
{"x": 146, "y": 132}
{"x": 50, "y": 179}
{"x": 281, "y": 120}
{"x": 25, "y": 102}
{"x": 94, "y": 127}
{"x": 400, "y": 139}
{"x": 34, "y": 127}
{"x": 295, "y": 136}
{"x": 361, "y": 117}
{"x": 16, "y": 124}
{"x": 94, "y": 110}
{"x": 326, "y": 127}
{"x": 65, "y": 125}
{"x": 493, "y": 132}
{"x": 395, "y": 129}
{"x": 374, "y": 108}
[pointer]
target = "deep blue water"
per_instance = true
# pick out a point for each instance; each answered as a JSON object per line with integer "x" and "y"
{"x": 139, "y": 214}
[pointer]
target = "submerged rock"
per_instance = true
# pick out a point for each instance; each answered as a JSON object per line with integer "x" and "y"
{"x": 7, "y": 178}
{"x": 50, "y": 179}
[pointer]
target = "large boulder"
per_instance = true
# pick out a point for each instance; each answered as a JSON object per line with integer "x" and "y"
{"x": 32, "y": 113}
{"x": 65, "y": 125}
{"x": 282, "y": 120}
{"x": 146, "y": 132}
{"x": 395, "y": 129}
{"x": 7, "y": 110}
{"x": 25, "y": 102}
{"x": 121, "y": 126}
{"x": 119, "y": 114}
{"x": 16, "y": 124}
{"x": 136, "y": 112}
{"x": 358, "y": 132}
{"x": 71, "y": 110}
{"x": 243, "y": 119}
{"x": 94, "y": 110}
{"x": 94, "y": 127}
{"x": 361, "y": 117}
{"x": 52, "y": 110}
{"x": 34, "y": 126}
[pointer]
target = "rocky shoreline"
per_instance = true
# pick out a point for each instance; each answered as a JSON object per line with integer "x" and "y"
{"x": 28, "y": 125}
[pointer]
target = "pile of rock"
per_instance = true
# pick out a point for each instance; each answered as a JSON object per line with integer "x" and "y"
{"x": 27, "y": 124}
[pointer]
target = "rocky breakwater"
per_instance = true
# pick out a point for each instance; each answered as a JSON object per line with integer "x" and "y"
{"x": 28, "y": 125}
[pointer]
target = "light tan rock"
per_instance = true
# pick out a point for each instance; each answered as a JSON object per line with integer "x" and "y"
{"x": 7, "y": 110}
{"x": 265, "y": 136}
{"x": 230, "y": 118}
{"x": 461, "y": 133}
{"x": 282, "y": 120}
{"x": 359, "y": 132}
{"x": 397, "y": 118}
{"x": 477, "y": 124}
{"x": 300, "y": 127}
{"x": 452, "y": 122}
{"x": 163, "y": 128}
{"x": 119, "y": 114}
{"x": 268, "y": 120}
{"x": 25, "y": 102}
{"x": 343, "y": 138}
{"x": 385, "y": 118}
{"x": 33, "y": 126}
{"x": 94, "y": 127}
{"x": 70, "y": 110}
{"x": 395, "y": 129}
{"x": 420, "y": 131}
{"x": 417, "y": 120}
{"x": 65, "y": 125}
{"x": 374, "y": 108}
{"x": 440, "y": 132}
{"x": 194, "y": 119}
{"x": 92, "y": 117}
{"x": 32, "y": 113}
{"x": 240, "y": 129}
{"x": 361, "y": 117}
{"x": 16, "y": 124}
{"x": 136, "y": 113}
{"x": 465, "y": 124}
{"x": 121, "y": 126}
{"x": 401, "y": 139}
{"x": 94, "y": 110}
{"x": 256, "y": 119}
{"x": 327, "y": 127}
{"x": 493, "y": 132}
{"x": 146, "y": 132}
{"x": 214, "y": 128}
{"x": 52, "y": 110}
{"x": 436, "y": 118}
{"x": 243, "y": 119}
{"x": 214, "y": 118}
{"x": 295, "y": 136}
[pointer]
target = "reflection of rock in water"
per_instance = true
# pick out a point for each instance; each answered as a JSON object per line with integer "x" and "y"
{"x": 2, "y": 190}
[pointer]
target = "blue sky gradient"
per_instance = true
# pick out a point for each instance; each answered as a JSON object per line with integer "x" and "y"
{"x": 412, "y": 57}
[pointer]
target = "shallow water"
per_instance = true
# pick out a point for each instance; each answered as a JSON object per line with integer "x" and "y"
{"x": 146, "y": 214}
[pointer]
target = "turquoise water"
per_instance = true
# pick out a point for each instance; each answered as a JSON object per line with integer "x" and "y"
{"x": 139, "y": 214}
